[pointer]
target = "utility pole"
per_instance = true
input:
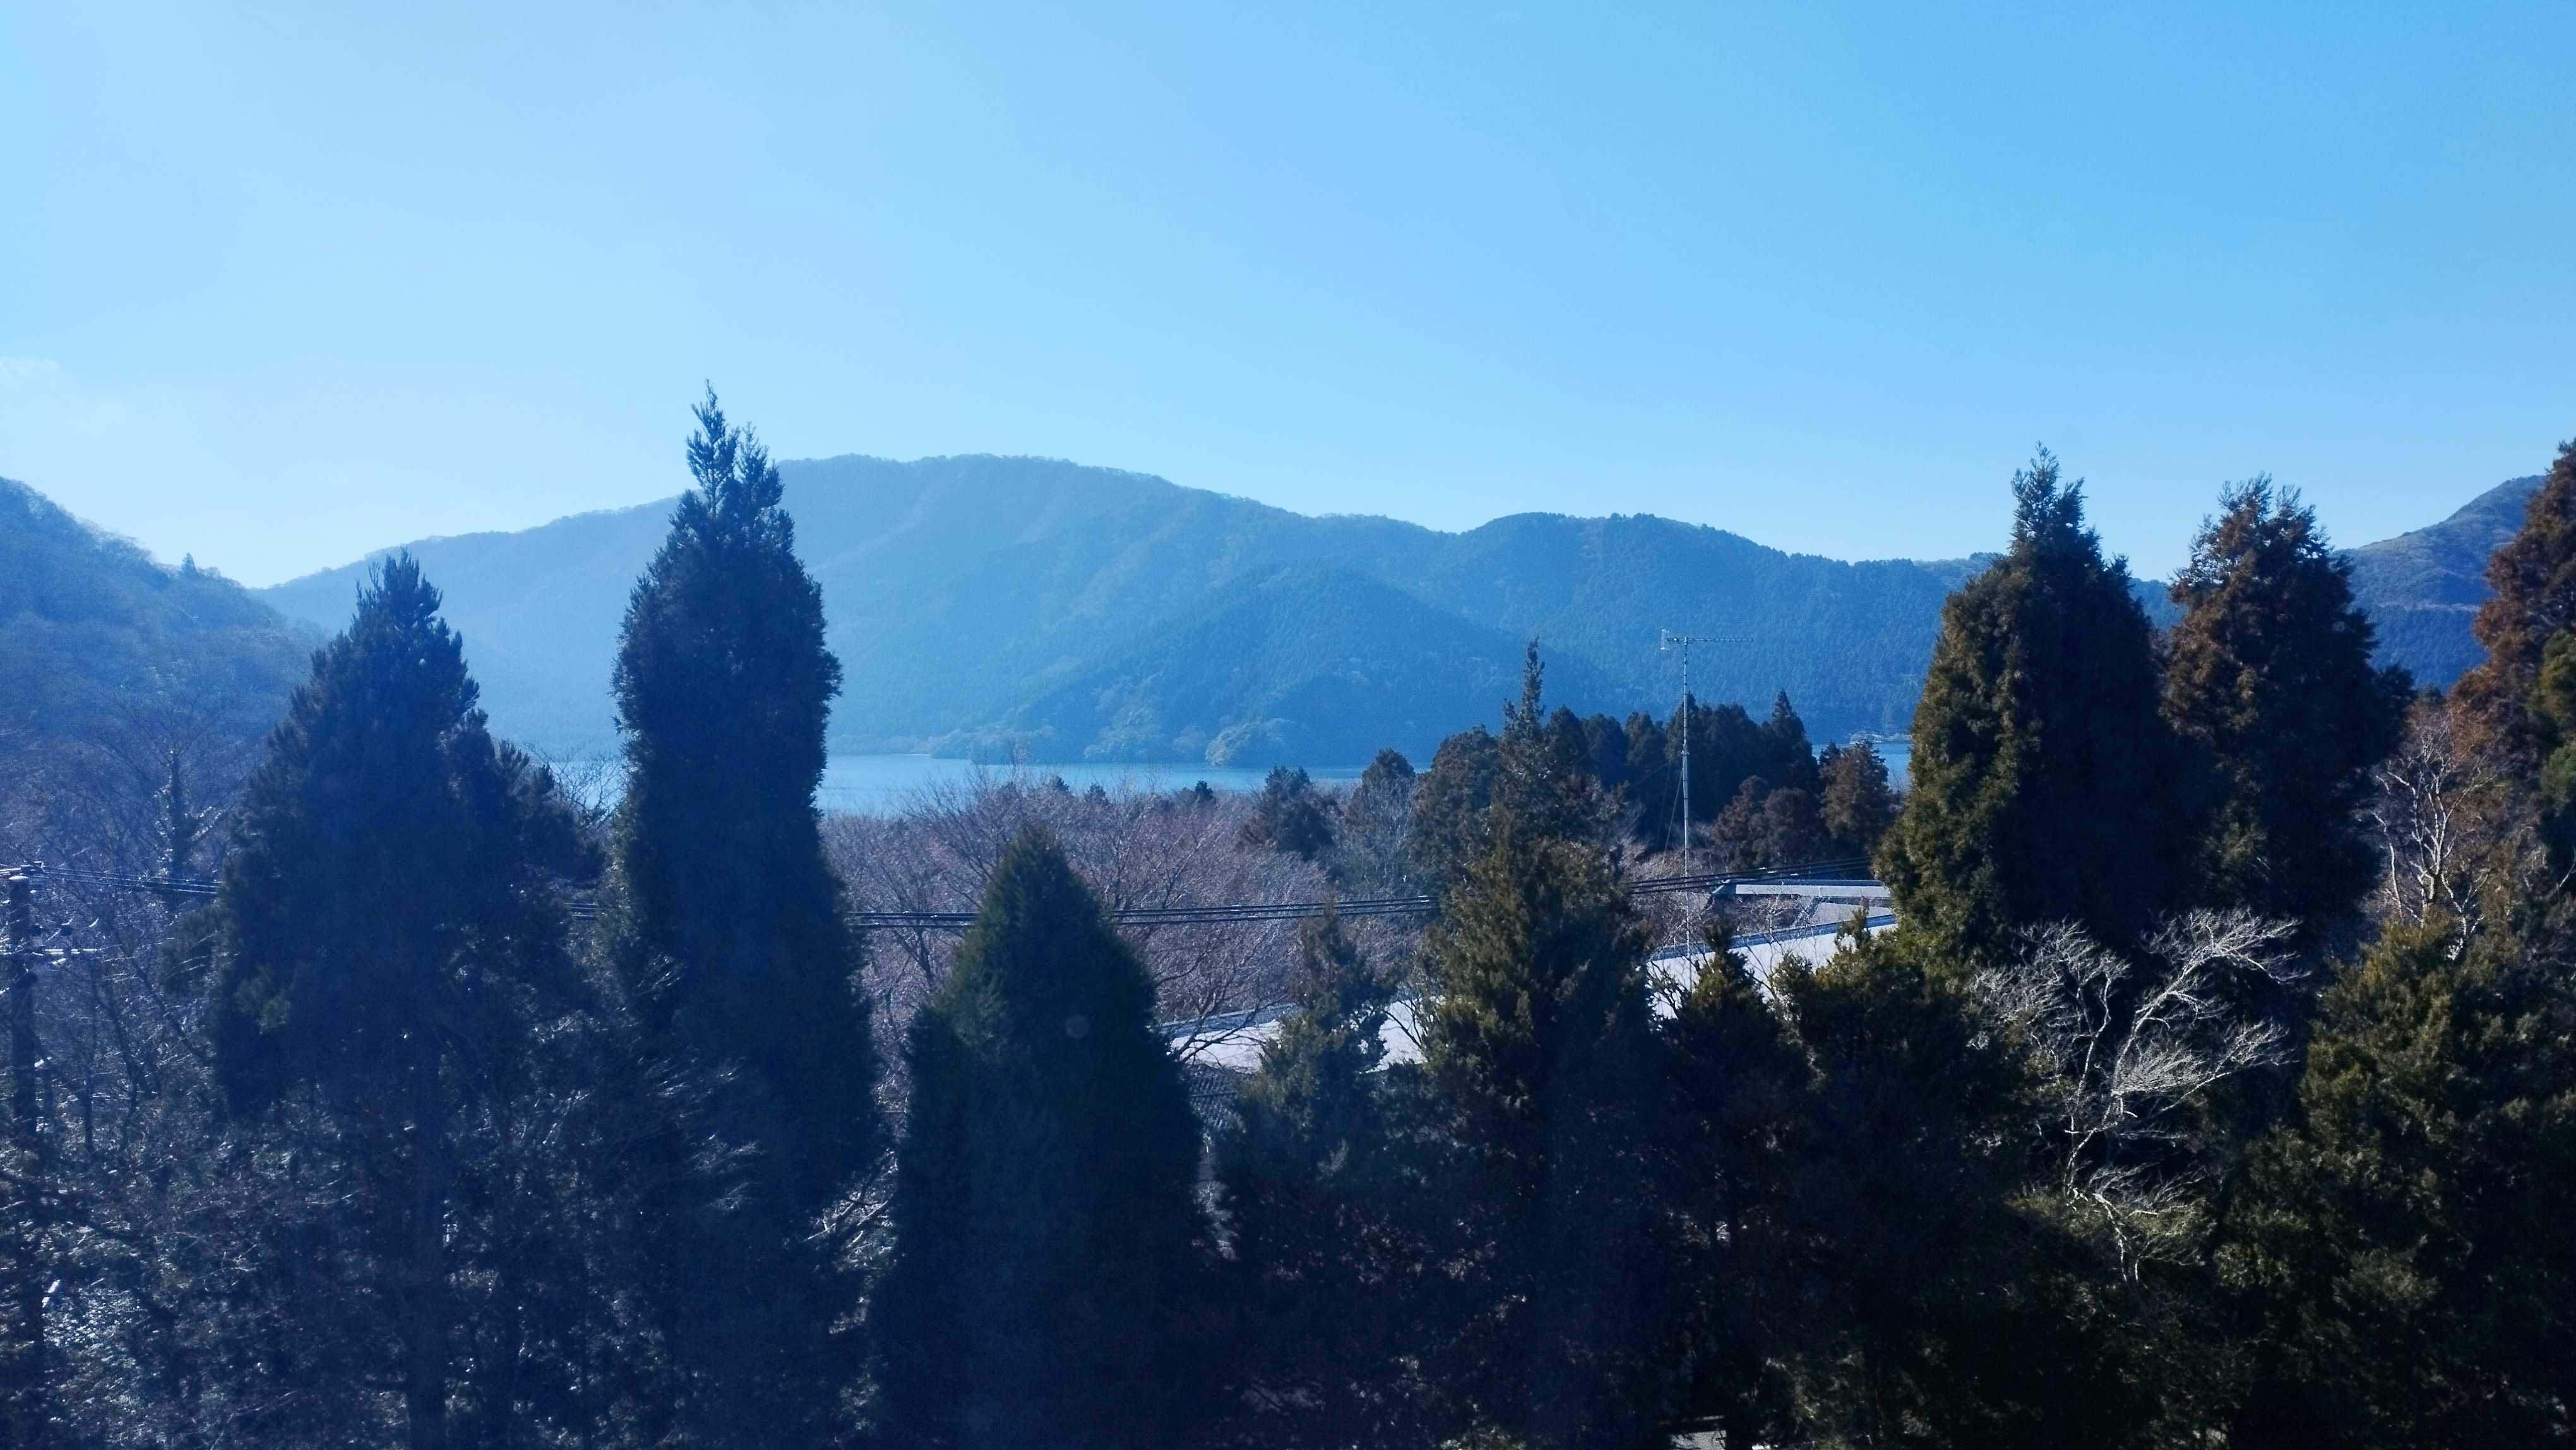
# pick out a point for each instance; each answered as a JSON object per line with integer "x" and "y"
{"x": 29, "y": 1420}
{"x": 1682, "y": 643}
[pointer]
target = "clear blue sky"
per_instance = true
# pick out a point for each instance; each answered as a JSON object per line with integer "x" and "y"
{"x": 280, "y": 284}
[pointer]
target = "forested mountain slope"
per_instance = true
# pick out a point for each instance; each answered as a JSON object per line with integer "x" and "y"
{"x": 94, "y": 635}
{"x": 966, "y": 594}
{"x": 1022, "y": 604}
{"x": 2423, "y": 588}
{"x": 1310, "y": 663}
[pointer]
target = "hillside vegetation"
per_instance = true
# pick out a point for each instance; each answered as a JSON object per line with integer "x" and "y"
{"x": 2423, "y": 588}
{"x": 94, "y": 634}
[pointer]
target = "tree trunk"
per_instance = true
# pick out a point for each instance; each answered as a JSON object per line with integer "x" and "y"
{"x": 29, "y": 1419}
{"x": 426, "y": 1314}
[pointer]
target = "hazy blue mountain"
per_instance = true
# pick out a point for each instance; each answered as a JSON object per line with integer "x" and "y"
{"x": 1311, "y": 663}
{"x": 979, "y": 600}
{"x": 538, "y": 609}
{"x": 962, "y": 592}
{"x": 1847, "y": 641}
{"x": 2423, "y": 588}
{"x": 94, "y": 635}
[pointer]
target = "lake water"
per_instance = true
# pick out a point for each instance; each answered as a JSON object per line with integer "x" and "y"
{"x": 875, "y": 784}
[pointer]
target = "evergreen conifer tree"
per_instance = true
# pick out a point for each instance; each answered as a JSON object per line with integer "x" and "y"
{"x": 2268, "y": 679}
{"x": 2534, "y": 579}
{"x": 1371, "y": 856}
{"x": 1047, "y": 1280}
{"x": 2042, "y": 773}
{"x": 725, "y": 927}
{"x": 2404, "y": 1235}
{"x": 1290, "y": 815}
{"x": 1322, "y": 1266}
{"x": 1607, "y": 742}
{"x": 1539, "y": 1050}
{"x": 1857, "y": 804}
{"x": 1729, "y": 1156}
{"x": 1538, "y": 774}
{"x": 1649, "y": 766}
{"x": 384, "y": 934}
{"x": 1932, "y": 1306}
{"x": 1543, "y": 775}
{"x": 1449, "y": 805}
{"x": 1789, "y": 757}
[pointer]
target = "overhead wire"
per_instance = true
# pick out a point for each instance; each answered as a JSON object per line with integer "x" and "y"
{"x": 584, "y": 909}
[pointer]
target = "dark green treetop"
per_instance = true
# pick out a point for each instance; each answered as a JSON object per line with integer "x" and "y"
{"x": 1290, "y": 815}
{"x": 1539, "y": 1050}
{"x": 385, "y": 899}
{"x": 2534, "y": 579}
{"x": 1449, "y": 804}
{"x": 1047, "y": 1282}
{"x": 2268, "y": 679}
{"x": 1543, "y": 775}
{"x": 1857, "y": 803}
{"x": 727, "y": 919}
{"x": 2042, "y": 773}
{"x": 1537, "y": 771}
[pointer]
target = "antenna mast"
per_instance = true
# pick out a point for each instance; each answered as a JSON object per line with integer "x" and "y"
{"x": 1683, "y": 642}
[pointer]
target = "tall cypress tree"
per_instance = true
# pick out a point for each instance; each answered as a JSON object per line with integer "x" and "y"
{"x": 1047, "y": 1266}
{"x": 2042, "y": 773}
{"x": 2268, "y": 678}
{"x": 2534, "y": 579}
{"x": 726, "y": 929}
{"x": 383, "y": 927}
{"x": 1539, "y": 1049}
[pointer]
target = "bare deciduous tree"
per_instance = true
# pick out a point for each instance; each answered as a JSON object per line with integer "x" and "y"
{"x": 2436, "y": 818}
{"x": 1139, "y": 848}
{"x": 2130, "y": 1043}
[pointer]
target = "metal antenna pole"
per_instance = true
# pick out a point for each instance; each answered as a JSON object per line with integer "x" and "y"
{"x": 1683, "y": 642}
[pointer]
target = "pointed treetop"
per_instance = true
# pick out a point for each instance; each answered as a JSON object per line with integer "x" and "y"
{"x": 398, "y": 611}
{"x": 1526, "y": 716}
{"x": 2046, "y": 512}
{"x": 736, "y": 481}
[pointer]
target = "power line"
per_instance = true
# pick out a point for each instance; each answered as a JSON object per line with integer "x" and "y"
{"x": 1215, "y": 914}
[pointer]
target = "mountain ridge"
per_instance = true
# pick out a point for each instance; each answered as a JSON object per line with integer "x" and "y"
{"x": 966, "y": 594}
{"x": 99, "y": 641}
